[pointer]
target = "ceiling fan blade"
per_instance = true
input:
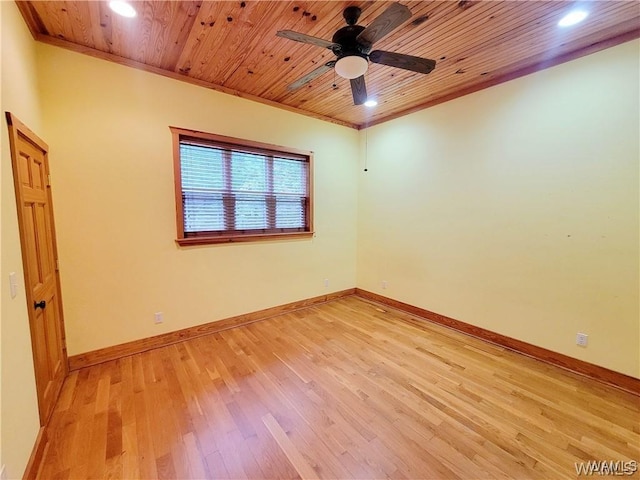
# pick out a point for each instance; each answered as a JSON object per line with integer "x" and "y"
{"x": 359, "y": 90}
{"x": 389, "y": 20}
{"x": 301, "y": 37}
{"x": 312, "y": 75}
{"x": 400, "y": 60}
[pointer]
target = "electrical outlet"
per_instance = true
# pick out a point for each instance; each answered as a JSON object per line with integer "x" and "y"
{"x": 384, "y": 284}
{"x": 326, "y": 283}
{"x": 158, "y": 318}
{"x": 582, "y": 339}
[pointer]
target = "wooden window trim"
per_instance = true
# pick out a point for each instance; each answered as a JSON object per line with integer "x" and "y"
{"x": 180, "y": 134}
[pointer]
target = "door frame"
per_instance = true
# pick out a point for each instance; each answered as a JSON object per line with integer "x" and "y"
{"x": 17, "y": 129}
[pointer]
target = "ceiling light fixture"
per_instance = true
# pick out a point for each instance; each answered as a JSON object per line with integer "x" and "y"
{"x": 122, "y": 8}
{"x": 573, "y": 17}
{"x": 370, "y": 103}
{"x": 351, "y": 66}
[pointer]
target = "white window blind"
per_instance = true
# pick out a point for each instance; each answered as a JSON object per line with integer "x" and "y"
{"x": 230, "y": 190}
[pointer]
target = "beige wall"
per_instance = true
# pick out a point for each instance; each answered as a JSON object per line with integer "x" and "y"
{"x": 516, "y": 209}
{"x": 19, "y": 409}
{"x": 112, "y": 171}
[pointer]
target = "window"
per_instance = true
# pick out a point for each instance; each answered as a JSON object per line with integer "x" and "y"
{"x": 229, "y": 189}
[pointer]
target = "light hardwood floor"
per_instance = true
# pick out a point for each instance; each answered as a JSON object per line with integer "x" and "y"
{"x": 346, "y": 389}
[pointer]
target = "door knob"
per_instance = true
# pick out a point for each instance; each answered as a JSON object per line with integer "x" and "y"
{"x": 42, "y": 304}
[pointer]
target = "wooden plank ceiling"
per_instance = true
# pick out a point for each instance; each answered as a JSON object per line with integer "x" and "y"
{"x": 232, "y": 46}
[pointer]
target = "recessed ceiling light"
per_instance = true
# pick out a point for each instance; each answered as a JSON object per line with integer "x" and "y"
{"x": 370, "y": 103}
{"x": 122, "y": 8}
{"x": 573, "y": 17}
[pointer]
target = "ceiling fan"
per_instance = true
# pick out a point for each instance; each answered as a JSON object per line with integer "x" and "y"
{"x": 352, "y": 47}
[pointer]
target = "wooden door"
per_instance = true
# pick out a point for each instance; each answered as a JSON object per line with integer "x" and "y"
{"x": 39, "y": 258}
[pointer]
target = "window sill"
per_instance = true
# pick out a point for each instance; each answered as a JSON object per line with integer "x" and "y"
{"x": 186, "y": 242}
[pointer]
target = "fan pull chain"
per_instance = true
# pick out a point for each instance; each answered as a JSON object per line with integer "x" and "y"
{"x": 366, "y": 145}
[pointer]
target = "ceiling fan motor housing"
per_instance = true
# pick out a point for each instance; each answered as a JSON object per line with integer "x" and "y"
{"x": 346, "y": 38}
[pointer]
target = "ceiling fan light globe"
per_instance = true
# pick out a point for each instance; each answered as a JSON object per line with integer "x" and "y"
{"x": 352, "y": 66}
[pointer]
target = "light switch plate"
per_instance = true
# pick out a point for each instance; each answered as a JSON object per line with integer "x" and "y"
{"x": 13, "y": 284}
